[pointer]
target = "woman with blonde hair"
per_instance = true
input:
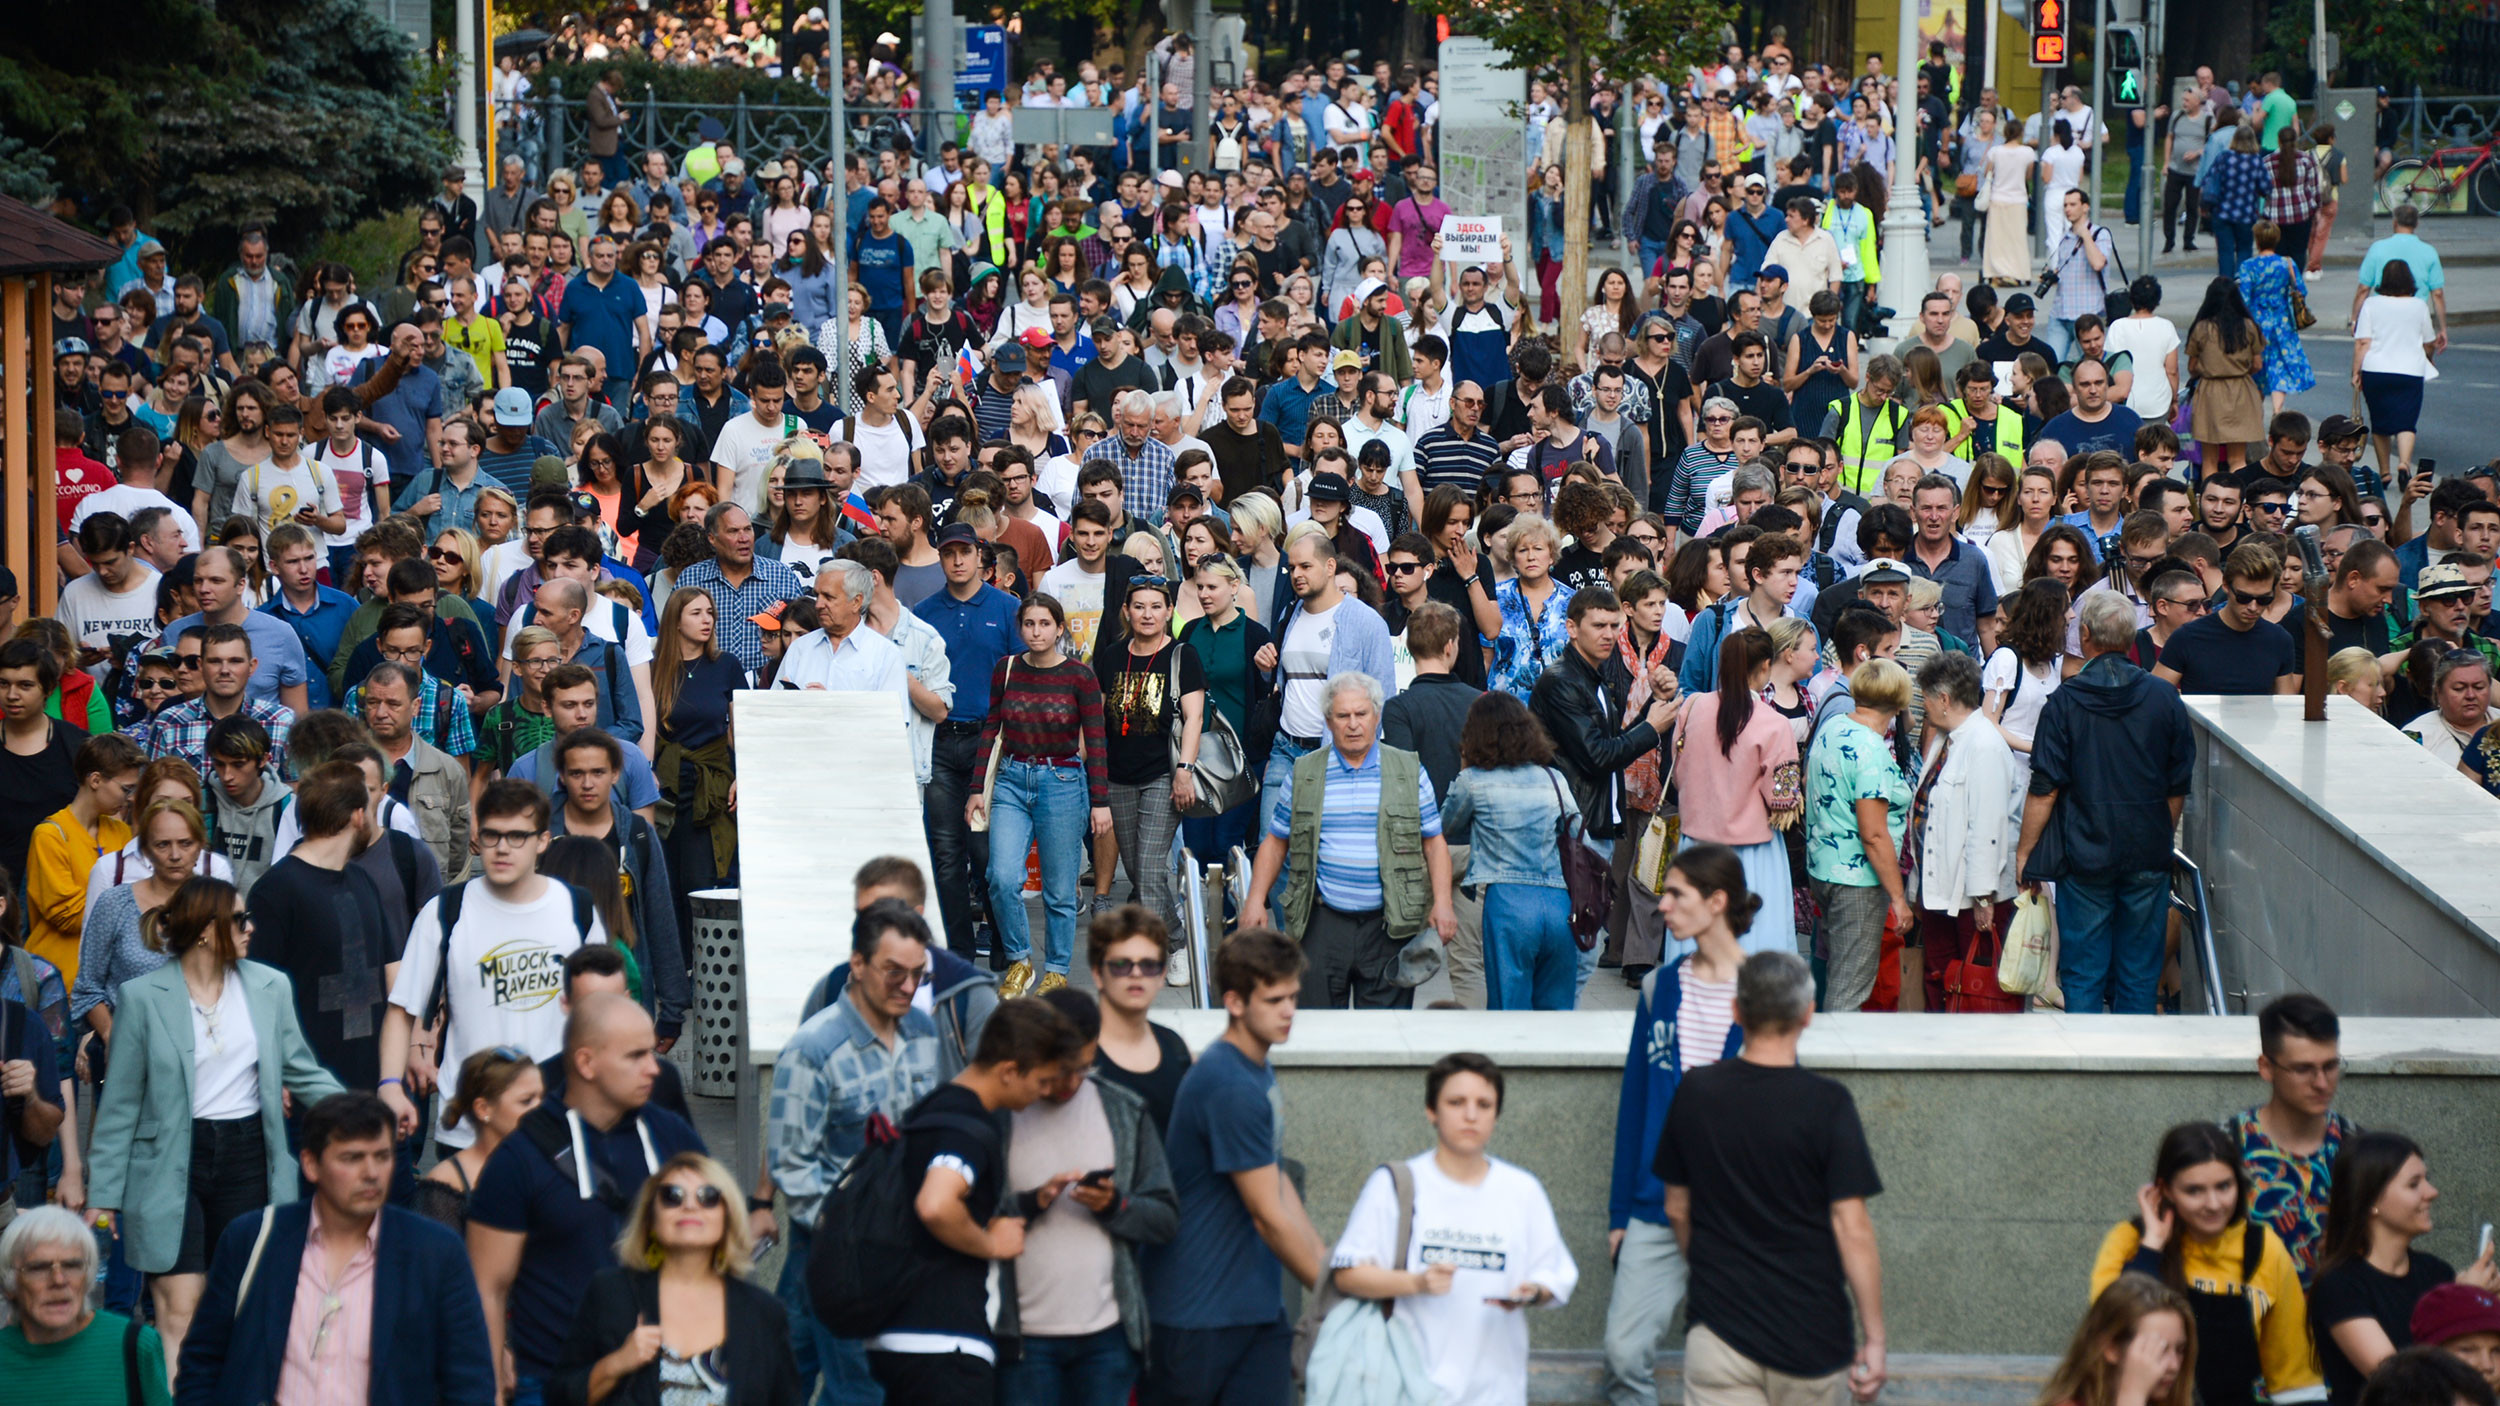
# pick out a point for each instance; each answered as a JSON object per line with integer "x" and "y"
{"x": 165, "y": 779}
{"x": 498, "y": 517}
{"x": 2355, "y": 674}
{"x": 2136, "y": 1346}
{"x": 1987, "y": 500}
{"x": 496, "y": 1088}
{"x": 676, "y": 1321}
{"x": 455, "y": 559}
{"x": 1525, "y": 619}
{"x": 204, "y": 1052}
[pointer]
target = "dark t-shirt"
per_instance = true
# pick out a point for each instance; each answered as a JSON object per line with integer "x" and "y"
{"x": 36, "y": 786}
{"x": 570, "y": 1237}
{"x": 1097, "y": 385}
{"x": 2375, "y": 632}
{"x": 952, "y": 1295}
{"x": 2356, "y": 1289}
{"x": 325, "y": 930}
{"x": 1579, "y": 568}
{"x": 1765, "y": 1152}
{"x": 529, "y": 348}
{"x": 2115, "y": 431}
{"x": 2001, "y": 348}
{"x": 1160, "y": 1085}
{"x": 2211, "y": 657}
{"x": 931, "y": 347}
{"x": 1139, "y": 714}
{"x": 1762, "y": 400}
{"x": 1218, "y": 1273}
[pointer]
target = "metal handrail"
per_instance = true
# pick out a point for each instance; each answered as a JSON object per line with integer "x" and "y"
{"x": 760, "y": 130}
{"x": 2197, "y": 909}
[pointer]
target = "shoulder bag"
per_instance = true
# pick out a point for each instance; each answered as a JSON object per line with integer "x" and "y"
{"x": 998, "y": 748}
{"x": 1222, "y": 771}
{"x": 1355, "y": 1352}
{"x": 1586, "y": 874}
{"x": 1972, "y": 987}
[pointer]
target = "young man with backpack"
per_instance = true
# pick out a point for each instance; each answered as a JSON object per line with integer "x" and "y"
{"x": 318, "y": 918}
{"x": 488, "y": 955}
{"x": 908, "y": 1240}
{"x": 573, "y": 704}
{"x": 869, "y": 1054}
{"x": 1213, "y": 1294}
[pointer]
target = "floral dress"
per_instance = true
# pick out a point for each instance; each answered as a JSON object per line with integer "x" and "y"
{"x": 1528, "y": 642}
{"x": 2267, "y": 282}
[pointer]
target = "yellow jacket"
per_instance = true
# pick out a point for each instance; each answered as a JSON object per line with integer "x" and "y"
{"x": 2277, "y": 1307}
{"x": 58, "y": 860}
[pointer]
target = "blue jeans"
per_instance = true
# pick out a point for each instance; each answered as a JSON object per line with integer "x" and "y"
{"x": 1095, "y": 1370}
{"x": 1275, "y": 815}
{"x": 1852, "y": 298}
{"x": 529, "y": 1391}
{"x": 842, "y": 1361}
{"x": 2234, "y": 240}
{"x": 1037, "y": 804}
{"x": 1652, "y": 250}
{"x": 2059, "y": 333}
{"x": 1531, "y": 962}
{"x": 2109, "y": 935}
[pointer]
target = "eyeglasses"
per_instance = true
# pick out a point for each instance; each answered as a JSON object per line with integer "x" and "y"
{"x": 1718, "y": 419}
{"x": 505, "y": 839}
{"x": 675, "y": 1194}
{"x": 1134, "y": 966}
{"x": 77, "y": 1268}
{"x": 2323, "y": 1069}
{"x": 2193, "y": 605}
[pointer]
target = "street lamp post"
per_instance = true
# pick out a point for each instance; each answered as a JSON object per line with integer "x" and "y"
{"x": 1905, "y": 278}
{"x": 838, "y": 200}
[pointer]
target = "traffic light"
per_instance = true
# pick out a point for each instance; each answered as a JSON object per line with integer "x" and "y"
{"x": 2123, "y": 53}
{"x": 2050, "y": 21}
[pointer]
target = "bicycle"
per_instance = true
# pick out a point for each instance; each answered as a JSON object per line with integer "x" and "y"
{"x": 2433, "y": 186}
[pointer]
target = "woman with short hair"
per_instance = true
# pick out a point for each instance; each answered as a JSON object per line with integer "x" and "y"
{"x": 1965, "y": 817}
{"x": 2460, "y": 699}
{"x": 1857, "y": 809}
{"x": 1525, "y": 618}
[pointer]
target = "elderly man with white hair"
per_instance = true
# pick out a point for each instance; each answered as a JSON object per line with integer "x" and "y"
{"x": 1369, "y": 871}
{"x": 845, "y": 656}
{"x": 1146, "y": 464}
{"x": 1176, "y": 425}
{"x": 57, "y": 1348}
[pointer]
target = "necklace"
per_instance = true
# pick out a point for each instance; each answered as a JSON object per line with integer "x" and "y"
{"x": 210, "y": 1015}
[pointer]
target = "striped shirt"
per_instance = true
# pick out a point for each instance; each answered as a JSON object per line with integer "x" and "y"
{"x": 1349, "y": 828}
{"x": 1708, "y": 1009}
{"x": 1688, "y": 493}
{"x": 1050, "y": 715}
{"x": 1441, "y": 457}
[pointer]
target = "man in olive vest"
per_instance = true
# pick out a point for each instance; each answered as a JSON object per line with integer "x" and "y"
{"x": 1369, "y": 867}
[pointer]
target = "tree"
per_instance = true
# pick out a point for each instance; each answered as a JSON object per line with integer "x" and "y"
{"x": 303, "y": 115}
{"x": 1615, "y": 38}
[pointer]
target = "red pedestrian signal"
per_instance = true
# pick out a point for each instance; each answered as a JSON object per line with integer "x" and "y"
{"x": 2049, "y": 20}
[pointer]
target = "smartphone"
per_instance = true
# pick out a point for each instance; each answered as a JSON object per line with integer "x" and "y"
{"x": 2427, "y": 466}
{"x": 2484, "y": 1249}
{"x": 1103, "y": 1178}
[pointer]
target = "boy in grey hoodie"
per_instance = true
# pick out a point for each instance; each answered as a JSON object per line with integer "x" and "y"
{"x": 247, "y": 800}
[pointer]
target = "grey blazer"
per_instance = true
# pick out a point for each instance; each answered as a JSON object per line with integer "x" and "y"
{"x": 140, "y": 1163}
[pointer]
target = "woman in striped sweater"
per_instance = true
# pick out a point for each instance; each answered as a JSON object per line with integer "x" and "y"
{"x": 1044, "y": 739}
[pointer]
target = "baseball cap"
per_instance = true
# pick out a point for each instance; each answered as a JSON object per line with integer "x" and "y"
{"x": 958, "y": 534}
{"x": 512, "y": 407}
{"x": 1034, "y": 337}
{"x": 2441, "y": 581}
{"x": 2019, "y": 303}
{"x": 2451, "y": 1311}
{"x": 71, "y": 346}
{"x": 1344, "y": 357}
{"x": 1884, "y": 571}
{"x": 2335, "y": 429}
{"x": 585, "y": 507}
{"x": 547, "y": 471}
{"x": 1778, "y": 271}
{"x": 1331, "y": 488}
{"x": 1755, "y": 182}
{"x": 1169, "y": 178}
{"x": 1363, "y": 173}
{"x": 769, "y": 618}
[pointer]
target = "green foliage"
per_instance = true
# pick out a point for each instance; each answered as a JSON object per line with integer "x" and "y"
{"x": 371, "y": 247}
{"x": 674, "y": 83}
{"x": 2396, "y": 44}
{"x": 1657, "y": 36}
{"x": 300, "y": 114}
{"x": 25, "y": 173}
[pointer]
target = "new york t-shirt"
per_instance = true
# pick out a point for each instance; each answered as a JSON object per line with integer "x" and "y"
{"x": 507, "y": 975}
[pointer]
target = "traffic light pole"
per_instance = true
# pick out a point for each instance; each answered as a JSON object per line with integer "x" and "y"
{"x": 2148, "y": 199}
{"x": 2100, "y": 107}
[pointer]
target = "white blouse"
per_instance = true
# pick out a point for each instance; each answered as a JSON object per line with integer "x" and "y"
{"x": 225, "y": 1054}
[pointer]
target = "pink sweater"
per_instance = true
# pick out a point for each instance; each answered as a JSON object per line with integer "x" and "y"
{"x": 1726, "y": 799}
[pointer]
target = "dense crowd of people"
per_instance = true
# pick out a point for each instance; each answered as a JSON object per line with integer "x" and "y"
{"x": 1186, "y": 501}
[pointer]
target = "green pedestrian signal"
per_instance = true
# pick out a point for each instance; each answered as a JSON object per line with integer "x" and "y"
{"x": 2122, "y": 53}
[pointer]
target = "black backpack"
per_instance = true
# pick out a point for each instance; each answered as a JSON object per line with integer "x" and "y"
{"x": 869, "y": 1253}
{"x": 447, "y": 916}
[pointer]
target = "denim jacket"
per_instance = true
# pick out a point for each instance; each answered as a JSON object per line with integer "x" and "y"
{"x": 1512, "y": 810}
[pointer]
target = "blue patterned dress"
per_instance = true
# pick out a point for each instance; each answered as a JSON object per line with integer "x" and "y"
{"x": 2267, "y": 282}
{"x": 1528, "y": 642}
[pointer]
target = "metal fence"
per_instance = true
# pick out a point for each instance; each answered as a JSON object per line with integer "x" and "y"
{"x": 2429, "y": 123}
{"x": 548, "y": 131}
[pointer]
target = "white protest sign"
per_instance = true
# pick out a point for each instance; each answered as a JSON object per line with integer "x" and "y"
{"x": 1472, "y": 239}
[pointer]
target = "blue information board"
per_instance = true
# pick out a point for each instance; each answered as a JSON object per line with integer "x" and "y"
{"x": 983, "y": 66}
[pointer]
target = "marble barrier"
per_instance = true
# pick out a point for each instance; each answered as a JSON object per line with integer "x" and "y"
{"x": 2342, "y": 859}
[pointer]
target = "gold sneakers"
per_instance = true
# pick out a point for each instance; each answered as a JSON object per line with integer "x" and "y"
{"x": 1014, "y": 983}
{"x": 1051, "y": 981}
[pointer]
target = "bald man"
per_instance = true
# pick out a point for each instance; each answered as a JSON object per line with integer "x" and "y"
{"x": 534, "y": 1236}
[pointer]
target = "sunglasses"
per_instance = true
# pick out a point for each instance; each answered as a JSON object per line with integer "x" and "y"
{"x": 2252, "y": 597}
{"x": 186, "y": 662}
{"x": 1134, "y": 966}
{"x": 1405, "y": 568}
{"x": 676, "y": 1194}
{"x": 2372, "y": 520}
{"x": 2269, "y": 507}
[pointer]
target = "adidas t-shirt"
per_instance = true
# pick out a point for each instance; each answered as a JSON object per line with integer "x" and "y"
{"x": 507, "y": 975}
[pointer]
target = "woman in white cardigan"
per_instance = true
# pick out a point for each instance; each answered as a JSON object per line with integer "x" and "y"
{"x": 1965, "y": 816}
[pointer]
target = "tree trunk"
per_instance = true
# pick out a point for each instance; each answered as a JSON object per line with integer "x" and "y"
{"x": 1145, "y": 26}
{"x": 1576, "y": 119}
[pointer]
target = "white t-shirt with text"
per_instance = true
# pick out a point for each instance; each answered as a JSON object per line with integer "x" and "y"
{"x": 95, "y": 614}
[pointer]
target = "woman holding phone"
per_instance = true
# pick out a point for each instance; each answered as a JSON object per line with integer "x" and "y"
{"x": 2370, "y": 1274}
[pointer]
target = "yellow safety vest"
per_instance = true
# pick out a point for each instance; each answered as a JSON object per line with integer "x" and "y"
{"x": 2009, "y": 429}
{"x": 1859, "y": 434}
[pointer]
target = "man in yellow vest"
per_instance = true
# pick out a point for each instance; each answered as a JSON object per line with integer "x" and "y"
{"x": 1977, "y": 423}
{"x": 1870, "y": 428}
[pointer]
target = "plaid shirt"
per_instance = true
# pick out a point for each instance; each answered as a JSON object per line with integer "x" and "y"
{"x": 771, "y": 583}
{"x": 181, "y": 730}
{"x": 442, "y": 716}
{"x": 2294, "y": 203}
{"x": 832, "y": 1076}
{"x": 1145, "y": 478}
{"x": 2080, "y": 287}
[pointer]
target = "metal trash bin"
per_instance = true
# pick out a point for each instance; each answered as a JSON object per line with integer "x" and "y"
{"x": 719, "y": 991}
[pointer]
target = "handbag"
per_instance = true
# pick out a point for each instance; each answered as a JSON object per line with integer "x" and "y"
{"x": 998, "y": 748}
{"x": 1222, "y": 770}
{"x": 1979, "y": 198}
{"x": 1656, "y": 854}
{"x": 2302, "y": 318}
{"x": 1328, "y": 1313}
{"x": 1973, "y": 989}
{"x": 1966, "y": 185}
{"x": 1587, "y": 876}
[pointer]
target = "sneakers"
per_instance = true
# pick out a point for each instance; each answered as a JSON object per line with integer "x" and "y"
{"x": 1051, "y": 981}
{"x": 1176, "y": 968}
{"x": 1019, "y": 977}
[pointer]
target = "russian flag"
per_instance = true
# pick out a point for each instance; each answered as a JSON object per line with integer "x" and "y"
{"x": 967, "y": 366}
